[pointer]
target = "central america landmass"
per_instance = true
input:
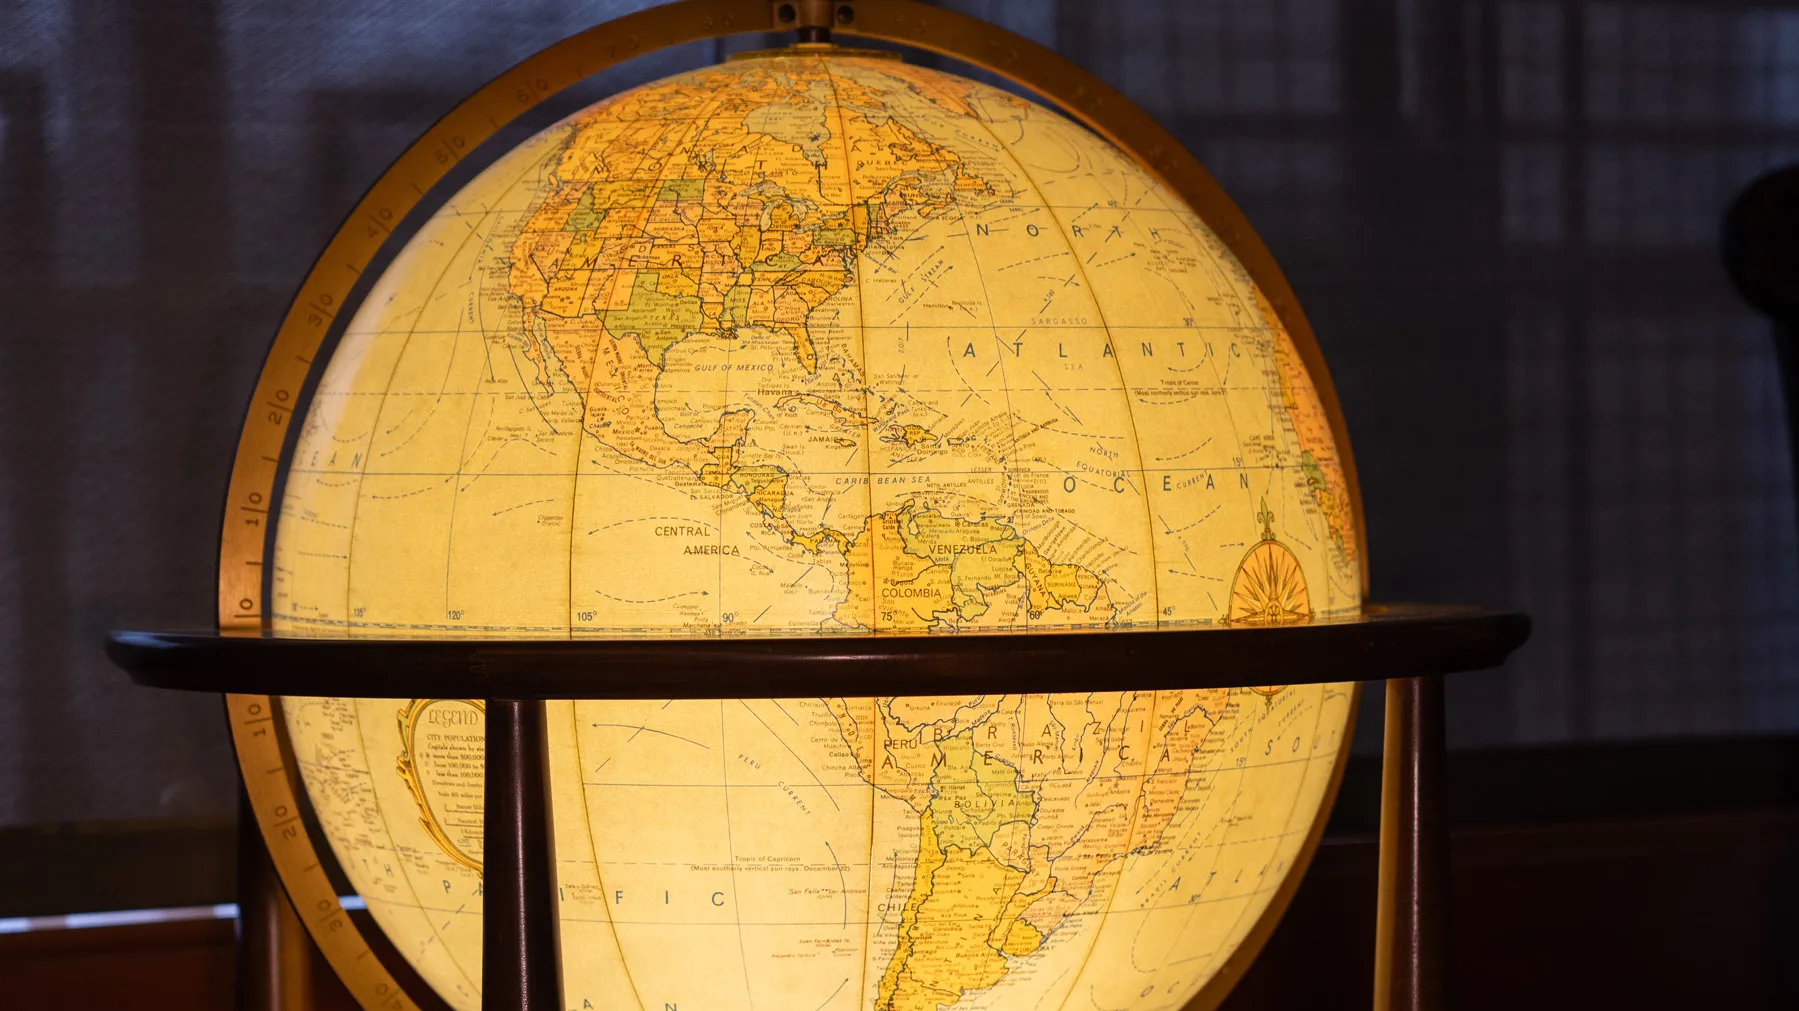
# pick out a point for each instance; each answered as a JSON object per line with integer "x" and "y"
{"x": 618, "y": 264}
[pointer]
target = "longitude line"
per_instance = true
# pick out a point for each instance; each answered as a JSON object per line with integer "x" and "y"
{"x": 1155, "y": 571}
{"x": 387, "y": 388}
{"x": 867, "y": 535}
{"x": 1224, "y": 835}
{"x": 849, "y": 183}
{"x": 749, "y": 993}
{"x": 462, "y": 457}
{"x": 1286, "y": 827}
{"x": 393, "y": 847}
{"x": 875, "y": 728}
{"x": 592, "y": 371}
{"x": 697, "y": 124}
{"x": 618, "y": 943}
{"x": 361, "y": 474}
{"x": 1277, "y": 332}
{"x": 574, "y": 484}
{"x": 349, "y": 547}
{"x": 1005, "y": 384}
{"x": 574, "y": 490}
{"x": 1130, "y": 838}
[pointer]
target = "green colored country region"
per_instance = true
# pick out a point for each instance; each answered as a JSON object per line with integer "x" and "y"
{"x": 584, "y": 218}
{"x": 797, "y": 122}
{"x": 988, "y": 566}
{"x": 930, "y": 534}
{"x": 736, "y": 310}
{"x": 781, "y": 261}
{"x": 974, "y": 795}
{"x": 766, "y": 488}
{"x": 682, "y": 189}
{"x": 1314, "y": 473}
{"x": 658, "y": 320}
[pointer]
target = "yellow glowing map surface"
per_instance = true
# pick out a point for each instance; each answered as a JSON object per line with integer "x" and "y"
{"x": 825, "y": 345}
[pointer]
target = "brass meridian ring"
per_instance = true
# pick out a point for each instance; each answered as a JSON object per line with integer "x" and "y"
{"x": 273, "y": 787}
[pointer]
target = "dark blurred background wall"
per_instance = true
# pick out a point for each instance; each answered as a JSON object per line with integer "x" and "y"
{"x": 1500, "y": 215}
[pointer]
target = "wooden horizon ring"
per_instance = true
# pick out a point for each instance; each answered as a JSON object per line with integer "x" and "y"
{"x": 274, "y": 788}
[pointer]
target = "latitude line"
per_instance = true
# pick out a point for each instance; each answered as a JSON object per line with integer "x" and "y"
{"x": 387, "y": 387}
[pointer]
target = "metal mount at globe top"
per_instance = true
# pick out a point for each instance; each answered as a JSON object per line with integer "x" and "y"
{"x": 1408, "y": 646}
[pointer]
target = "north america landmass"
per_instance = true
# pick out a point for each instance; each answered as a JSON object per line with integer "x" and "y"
{"x": 737, "y": 204}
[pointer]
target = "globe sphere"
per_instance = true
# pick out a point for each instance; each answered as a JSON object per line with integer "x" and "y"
{"x": 823, "y": 344}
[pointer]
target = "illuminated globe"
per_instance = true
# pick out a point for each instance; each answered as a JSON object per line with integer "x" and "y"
{"x": 822, "y": 344}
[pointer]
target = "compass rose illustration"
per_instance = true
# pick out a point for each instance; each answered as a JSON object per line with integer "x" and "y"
{"x": 1269, "y": 588}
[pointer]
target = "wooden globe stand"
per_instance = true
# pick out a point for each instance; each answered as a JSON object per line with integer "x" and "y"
{"x": 1409, "y": 647}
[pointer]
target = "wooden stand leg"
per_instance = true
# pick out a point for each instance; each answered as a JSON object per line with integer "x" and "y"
{"x": 521, "y": 958}
{"x": 274, "y": 955}
{"x": 1411, "y": 942}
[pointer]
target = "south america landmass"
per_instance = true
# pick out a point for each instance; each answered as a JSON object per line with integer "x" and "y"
{"x": 1024, "y": 804}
